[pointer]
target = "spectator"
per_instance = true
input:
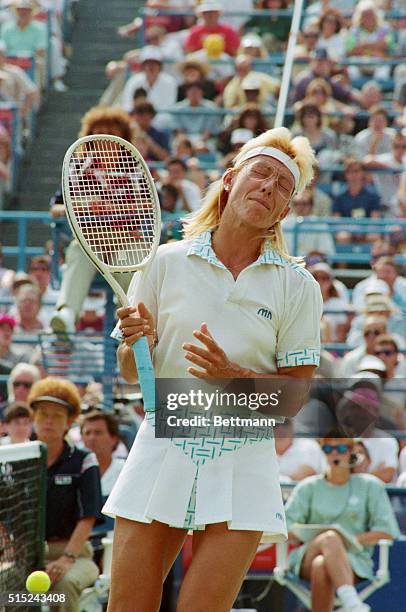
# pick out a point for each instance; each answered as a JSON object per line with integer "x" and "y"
{"x": 23, "y": 90}
{"x": 192, "y": 70}
{"x": 28, "y": 322}
{"x": 8, "y": 356}
{"x": 396, "y": 287}
{"x": 252, "y": 45}
{"x": 298, "y": 458}
{"x": 358, "y": 413}
{"x": 370, "y": 97}
{"x": 387, "y": 349}
{"x": 237, "y": 139}
{"x": 189, "y": 193}
{"x": 100, "y": 434}
{"x": 374, "y": 326}
{"x": 79, "y": 272}
{"x": 40, "y": 270}
{"x": 221, "y": 64}
{"x": 18, "y": 418}
{"x": 209, "y": 13}
{"x": 377, "y": 137}
{"x": 319, "y": 92}
{"x": 387, "y": 184}
{"x": 332, "y": 33}
{"x": 335, "y": 307}
{"x": 320, "y": 239}
{"x": 157, "y": 141}
{"x": 273, "y": 30}
{"x": 250, "y": 118}
{"x": 21, "y": 379}
{"x": 234, "y": 95}
{"x": 161, "y": 88}
{"x": 380, "y": 305}
{"x": 309, "y": 117}
{"x": 201, "y": 117}
{"x": 356, "y": 198}
{"x": 308, "y": 39}
{"x": 25, "y": 36}
{"x": 321, "y": 67}
{"x": 369, "y": 37}
{"x": 73, "y": 500}
{"x": 359, "y": 504}
{"x": 251, "y": 87}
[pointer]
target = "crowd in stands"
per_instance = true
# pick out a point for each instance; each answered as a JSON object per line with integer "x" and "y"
{"x": 198, "y": 84}
{"x": 33, "y": 56}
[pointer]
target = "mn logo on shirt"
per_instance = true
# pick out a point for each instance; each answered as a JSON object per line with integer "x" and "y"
{"x": 264, "y": 312}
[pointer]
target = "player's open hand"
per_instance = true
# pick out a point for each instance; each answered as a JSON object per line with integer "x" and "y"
{"x": 210, "y": 357}
{"x": 136, "y": 321}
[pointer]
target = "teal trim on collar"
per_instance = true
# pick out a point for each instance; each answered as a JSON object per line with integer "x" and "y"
{"x": 201, "y": 246}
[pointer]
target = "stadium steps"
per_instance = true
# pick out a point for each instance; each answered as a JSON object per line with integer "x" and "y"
{"x": 94, "y": 42}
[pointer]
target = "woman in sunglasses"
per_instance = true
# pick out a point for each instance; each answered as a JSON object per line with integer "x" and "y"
{"x": 359, "y": 504}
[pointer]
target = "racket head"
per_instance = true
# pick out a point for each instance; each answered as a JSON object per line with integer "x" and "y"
{"x": 111, "y": 203}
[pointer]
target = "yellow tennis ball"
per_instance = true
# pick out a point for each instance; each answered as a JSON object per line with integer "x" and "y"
{"x": 38, "y": 582}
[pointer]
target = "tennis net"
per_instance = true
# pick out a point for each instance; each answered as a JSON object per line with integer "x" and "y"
{"x": 22, "y": 513}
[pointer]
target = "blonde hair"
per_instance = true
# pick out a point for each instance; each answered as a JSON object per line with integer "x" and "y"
{"x": 207, "y": 218}
{"x": 366, "y": 5}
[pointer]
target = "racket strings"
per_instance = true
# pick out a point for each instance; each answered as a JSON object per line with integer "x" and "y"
{"x": 112, "y": 202}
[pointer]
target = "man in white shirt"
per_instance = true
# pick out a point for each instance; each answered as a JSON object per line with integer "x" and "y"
{"x": 100, "y": 434}
{"x": 388, "y": 183}
{"x": 161, "y": 88}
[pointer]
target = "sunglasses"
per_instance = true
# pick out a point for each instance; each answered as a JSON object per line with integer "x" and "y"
{"x": 374, "y": 332}
{"x": 22, "y": 383}
{"x": 386, "y": 352}
{"x": 43, "y": 414}
{"x": 340, "y": 448}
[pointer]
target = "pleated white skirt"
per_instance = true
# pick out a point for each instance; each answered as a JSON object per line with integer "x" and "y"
{"x": 160, "y": 481}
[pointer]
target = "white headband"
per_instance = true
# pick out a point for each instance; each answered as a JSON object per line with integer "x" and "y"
{"x": 277, "y": 154}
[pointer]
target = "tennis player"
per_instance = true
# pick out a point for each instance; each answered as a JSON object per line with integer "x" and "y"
{"x": 206, "y": 297}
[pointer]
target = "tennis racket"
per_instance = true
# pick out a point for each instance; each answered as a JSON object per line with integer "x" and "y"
{"x": 113, "y": 210}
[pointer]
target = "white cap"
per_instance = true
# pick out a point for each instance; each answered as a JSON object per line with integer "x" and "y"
{"x": 150, "y": 52}
{"x": 29, "y": 4}
{"x": 251, "y": 40}
{"x": 251, "y": 82}
{"x": 376, "y": 285}
{"x": 205, "y": 7}
{"x": 241, "y": 135}
{"x": 370, "y": 362}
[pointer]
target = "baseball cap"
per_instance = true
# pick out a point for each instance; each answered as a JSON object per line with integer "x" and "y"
{"x": 205, "y": 7}
{"x": 152, "y": 53}
{"x": 322, "y": 266}
{"x": 371, "y": 363}
{"x": 251, "y": 82}
{"x": 5, "y": 319}
{"x": 241, "y": 135}
{"x": 251, "y": 40}
{"x": 377, "y": 285}
{"x": 29, "y": 4}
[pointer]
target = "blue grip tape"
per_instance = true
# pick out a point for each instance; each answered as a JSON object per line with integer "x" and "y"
{"x": 145, "y": 371}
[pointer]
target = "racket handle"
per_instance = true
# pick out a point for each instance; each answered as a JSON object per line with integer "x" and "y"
{"x": 145, "y": 371}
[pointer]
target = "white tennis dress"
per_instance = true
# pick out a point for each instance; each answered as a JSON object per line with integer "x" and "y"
{"x": 268, "y": 317}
